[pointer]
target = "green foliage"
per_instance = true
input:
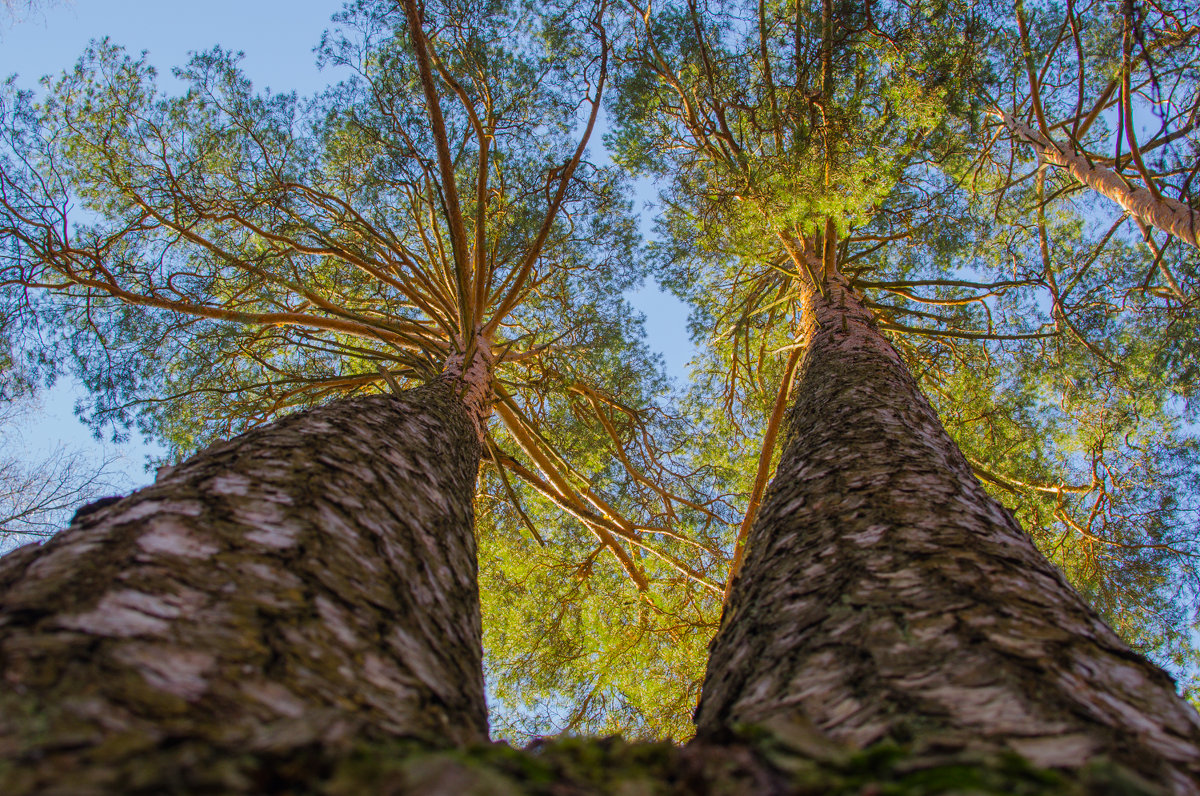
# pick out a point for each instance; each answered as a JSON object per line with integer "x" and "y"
{"x": 756, "y": 134}
{"x": 575, "y": 648}
{"x": 571, "y": 644}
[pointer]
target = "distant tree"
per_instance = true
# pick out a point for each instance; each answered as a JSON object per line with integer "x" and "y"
{"x": 39, "y": 490}
{"x": 38, "y": 496}
{"x": 19, "y": 10}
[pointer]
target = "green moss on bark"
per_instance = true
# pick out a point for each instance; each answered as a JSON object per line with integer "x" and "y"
{"x": 776, "y": 759}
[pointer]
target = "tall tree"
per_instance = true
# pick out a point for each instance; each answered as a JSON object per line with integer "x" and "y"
{"x": 801, "y": 139}
{"x": 301, "y": 585}
{"x": 802, "y": 142}
{"x": 247, "y": 255}
{"x": 886, "y": 595}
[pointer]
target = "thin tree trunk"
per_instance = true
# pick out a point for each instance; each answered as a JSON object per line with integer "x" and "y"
{"x": 307, "y": 584}
{"x": 1169, "y": 215}
{"x": 885, "y": 594}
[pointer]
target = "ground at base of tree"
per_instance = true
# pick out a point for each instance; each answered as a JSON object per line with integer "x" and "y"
{"x": 781, "y": 759}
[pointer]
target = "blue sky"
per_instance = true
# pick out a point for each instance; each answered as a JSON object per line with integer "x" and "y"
{"x": 277, "y": 38}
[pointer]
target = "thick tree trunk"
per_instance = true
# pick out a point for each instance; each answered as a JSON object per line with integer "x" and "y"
{"x": 1161, "y": 212}
{"x": 884, "y": 594}
{"x": 307, "y": 584}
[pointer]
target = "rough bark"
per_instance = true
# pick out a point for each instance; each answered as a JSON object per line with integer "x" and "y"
{"x": 1162, "y": 212}
{"x": 307, "y": 584}
{"x": 884, "y": 594}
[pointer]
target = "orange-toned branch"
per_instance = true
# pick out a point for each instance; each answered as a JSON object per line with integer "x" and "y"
{"x": 763, "y": 473}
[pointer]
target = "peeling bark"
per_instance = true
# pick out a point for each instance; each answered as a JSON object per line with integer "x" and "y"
{"x": 884, "y": 594}
{"x": 309, "y": 583}
{"x": 1169, "y": 215}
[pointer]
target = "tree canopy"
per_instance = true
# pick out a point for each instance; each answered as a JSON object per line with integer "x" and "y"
{"x": 796, "y": 139}
{"x": 213, "y": 260}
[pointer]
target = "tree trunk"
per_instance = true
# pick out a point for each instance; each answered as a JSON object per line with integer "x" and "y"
{"x": 1161, "y": 212}
{"x": 307, "y": 584}
{"x": 884, "y": 594}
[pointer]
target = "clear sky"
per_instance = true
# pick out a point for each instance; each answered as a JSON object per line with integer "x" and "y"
{"x": 277, "y": 38}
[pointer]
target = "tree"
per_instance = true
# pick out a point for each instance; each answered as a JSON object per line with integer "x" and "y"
{"x": 300, "y": 584}
{"x": 36, "y": 498}
{"x": 1096, "y": 81}
{"x": 788, "y": 132}
{"x": 250, "y": 255}
{"x": 840, "y": 354}
{"x": 778, "y": 135}
{"x": 885, "y": 595}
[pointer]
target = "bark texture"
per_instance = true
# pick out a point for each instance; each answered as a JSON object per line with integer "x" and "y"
{"x": 1169, "y": 215}
{"x": 885, "y": 594}
{"x": 309, "y": 583}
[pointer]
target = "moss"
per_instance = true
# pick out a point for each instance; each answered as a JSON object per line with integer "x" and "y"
{"x": 614, "y": 766}
{"x": 813, "y": 765}
{"x": 889, "y": 769}
{"x": 776, "y": 758}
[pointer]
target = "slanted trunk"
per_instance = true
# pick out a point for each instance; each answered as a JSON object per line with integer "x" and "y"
{"x": 885, "y": 594}
{"x": 1161, "y": 212}
{"x": 307, "y": 584}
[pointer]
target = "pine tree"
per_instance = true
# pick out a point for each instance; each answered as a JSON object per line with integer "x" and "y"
{"x": 891, "y": 625}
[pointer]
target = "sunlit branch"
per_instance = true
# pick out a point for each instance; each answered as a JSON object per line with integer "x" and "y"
{"x": 517, "y": 284}
{"x": 911, "y": 283}
{"x": 1169, "y": 548}
{"x": 363, "y": 330}
{"x": 563, "y": 490}
{"x": 481, "y": 276}
{"x": 900, "y": 327}
{"x": 1015, "y": 485}
{"x": 594, "y": 400}
{"x": 493, "y": 453}
{"x": 443, "y": 306}
{"x": 449, "y": 187}
{"x": 401, "y": 329}
{"x": 598, "y": 524}
{"x": 763, "y": 472}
